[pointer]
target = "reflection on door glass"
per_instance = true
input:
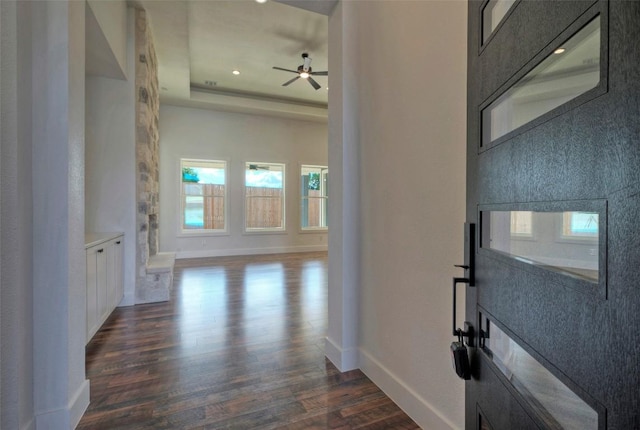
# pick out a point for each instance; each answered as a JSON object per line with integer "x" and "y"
{"x": 492, "y": 14}
{"x": 553, "y": 401}
{"x": 565, "y": 242}
{"x": 483, "y": 424}
{"x": 572, "y": 69}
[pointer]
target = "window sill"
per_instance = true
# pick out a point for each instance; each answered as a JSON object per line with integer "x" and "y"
{"x": 261, "y": 232}
{"x": 318, "y": 230}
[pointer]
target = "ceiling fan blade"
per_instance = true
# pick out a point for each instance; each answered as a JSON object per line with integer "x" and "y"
{"x": 257, "y": 167}
{"x": 313, "y": 83}
{"x": 325, "y": 73}
{"x": 286, "y": 70}
{"x": 290, "y": 81}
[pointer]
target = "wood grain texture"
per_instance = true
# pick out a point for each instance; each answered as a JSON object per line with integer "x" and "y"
{"x": 239, "y": 346}
{"x": 587, "y": 151}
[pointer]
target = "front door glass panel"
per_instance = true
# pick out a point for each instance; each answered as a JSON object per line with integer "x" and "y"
{"x": 492, "y": 15}
{"x": 566, "y": 242}
{"x": 555, "y": 403}
{"x": 483, "y": 424}
{"x": 572, "y": 69}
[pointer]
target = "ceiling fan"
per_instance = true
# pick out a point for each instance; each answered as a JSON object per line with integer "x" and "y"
{"x": 304, "y": 71}
{"x": 258, "y": 167}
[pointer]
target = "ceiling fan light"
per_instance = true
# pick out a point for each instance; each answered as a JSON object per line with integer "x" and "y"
{"x": 304, "y": 75}
{"x": 261, "y": 1}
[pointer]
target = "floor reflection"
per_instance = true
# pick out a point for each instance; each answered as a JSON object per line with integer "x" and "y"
{"x": 265, "y": 302}
{"x": 202, "y": 300}
{"x": 240, "y": 345}
{"x": 246, "y": 303}
{"x": 313, "y": 292}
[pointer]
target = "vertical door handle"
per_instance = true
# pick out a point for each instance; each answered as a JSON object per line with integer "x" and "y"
{"x": 459, "y": 355}
{"x": 468, "y": 279}
{"x": 456, "y": 331}
{"x": 468, "y": 330}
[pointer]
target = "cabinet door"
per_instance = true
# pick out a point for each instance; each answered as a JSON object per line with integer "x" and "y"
{"x": 101, "y": 264}
{"x": 112, "y": 276}
{"x": 92, "y": 292}
{"x": 118, "y": 249}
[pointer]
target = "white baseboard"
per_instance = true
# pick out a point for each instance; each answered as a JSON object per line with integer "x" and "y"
{"x": 204, "y": 253}
{"x": 69, "y": 417}
{"x": 79, "y": 403}
{"x": 343, "y": 359}
{"x": 128, "y": 299}
{"x": 419, "y": 409}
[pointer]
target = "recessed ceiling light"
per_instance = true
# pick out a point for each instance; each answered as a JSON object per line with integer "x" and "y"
{"x": 236, "y": 72}
{"x": 559, "y": 51}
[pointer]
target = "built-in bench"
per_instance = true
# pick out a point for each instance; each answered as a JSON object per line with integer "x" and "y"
{"x": 158, "y": 279}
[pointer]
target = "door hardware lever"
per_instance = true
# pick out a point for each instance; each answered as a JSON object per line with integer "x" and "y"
{"x": 458, "y": 332}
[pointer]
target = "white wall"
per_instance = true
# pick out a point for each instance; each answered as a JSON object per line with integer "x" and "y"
{"x": 237, "y": 138}
{"x": 344, "y": 212}
{"x": 42, "y": 226}
{"x": 16, "y": 294}
{"x": 110, "y": 194}
{"x": 107, "y": 27}
{"x": 61, "y": 392}
{"x": 410, "y": 121}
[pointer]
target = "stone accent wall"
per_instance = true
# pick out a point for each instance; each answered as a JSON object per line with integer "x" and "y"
{"x": 151, "y": 285}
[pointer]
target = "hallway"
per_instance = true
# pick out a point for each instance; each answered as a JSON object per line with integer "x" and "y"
{"x": 239, "y": 346}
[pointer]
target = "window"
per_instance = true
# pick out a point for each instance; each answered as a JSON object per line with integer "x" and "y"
{"x": 492, "y": 14}
{"x": 313, "y": 199}
{"x": 203, "y": 195}
{"x": 553, "y": 401}
{"x": 264, "y": 197}
{"x": 572, "y": 69}
{"x": 580, "y": 225}
{"x": 575, "y": 251}
{"x": 521, "y": 224}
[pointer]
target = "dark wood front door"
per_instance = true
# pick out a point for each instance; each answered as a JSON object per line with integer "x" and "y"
{"x": 554, "y": 192}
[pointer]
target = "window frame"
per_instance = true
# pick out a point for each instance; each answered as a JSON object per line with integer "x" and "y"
{"x": 596, "y": 288}
{"x": 486, "y": 38}
{"x": 182, "y": 232}
{"x": 523, "y": 236}
{"x": 324, "y": 170}
{"x": 601, "y": 88}
{"x": 265, "y": 230}
{"x": 563, "y": 229}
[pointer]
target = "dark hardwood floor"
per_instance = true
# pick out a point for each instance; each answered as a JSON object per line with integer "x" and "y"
{"x": 239, "y": 346}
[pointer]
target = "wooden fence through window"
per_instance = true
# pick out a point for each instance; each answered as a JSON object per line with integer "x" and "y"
{"x": 311, "y": 209}
{"x": 263, "y": 206}
{"x": 213, "y": 202}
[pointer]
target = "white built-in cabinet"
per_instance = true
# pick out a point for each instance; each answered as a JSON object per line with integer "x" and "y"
{"x": 105, "y": 282}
